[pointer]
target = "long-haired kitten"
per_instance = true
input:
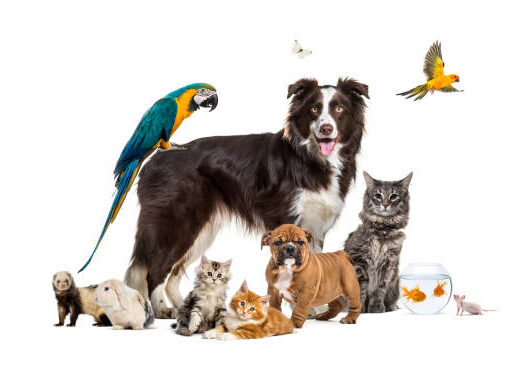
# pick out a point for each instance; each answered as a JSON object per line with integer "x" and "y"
{"x": 249, "y": 317}
{"x": 204, "y": 307}
{"x": 376, "y": 245}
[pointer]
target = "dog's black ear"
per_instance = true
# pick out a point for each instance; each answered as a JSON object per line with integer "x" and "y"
{"x": 349, "y": 85}
{"x": 301, "y": 87}
{"x": 266, "y": 239}
{"x": 309, "y": 236}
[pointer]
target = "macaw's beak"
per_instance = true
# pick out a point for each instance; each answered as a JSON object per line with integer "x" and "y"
{"x": 209, "y": 101}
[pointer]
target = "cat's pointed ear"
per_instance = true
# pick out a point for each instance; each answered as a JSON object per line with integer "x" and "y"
{"x": 405, "y": 182}
{"x": 309, "y": 236}
{"x": 204, "y": 261}
{"x": 243, "y": 288}
{"x": 265, "y": 300}
{"x": 227, "y": 264}
{"x": 369, "y": 181}
{"x": 266, "y": 239}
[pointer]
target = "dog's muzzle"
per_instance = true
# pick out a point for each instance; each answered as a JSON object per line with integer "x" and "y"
{"x": 289, "y": 254}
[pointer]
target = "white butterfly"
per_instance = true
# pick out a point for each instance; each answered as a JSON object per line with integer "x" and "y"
{"x": 297, "y": 49}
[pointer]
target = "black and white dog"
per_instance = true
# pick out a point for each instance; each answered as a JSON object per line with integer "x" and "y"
{"x": 299, "y": 175}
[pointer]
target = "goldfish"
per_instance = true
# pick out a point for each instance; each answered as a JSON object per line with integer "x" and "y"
{"x": 436, "y": 78}
{"x": 415, "y": 295}
{"x": 438, "y": 290}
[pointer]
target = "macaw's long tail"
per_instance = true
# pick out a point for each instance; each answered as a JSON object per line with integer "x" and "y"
{"x": 420, "y": 91}
{"x": 124, "y": 183}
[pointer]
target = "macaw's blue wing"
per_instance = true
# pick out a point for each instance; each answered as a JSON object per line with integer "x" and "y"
{"x": 156, "y": 124}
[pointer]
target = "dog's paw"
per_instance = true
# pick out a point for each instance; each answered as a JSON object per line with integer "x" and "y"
{"x": 347, "y": 320}
{"x": 118, "y": 327}
{"x": 71, "y": 325}
{"x": 226, "y": 337}
{"x": 58, "y": 325}
{"x": 323, "y": 316}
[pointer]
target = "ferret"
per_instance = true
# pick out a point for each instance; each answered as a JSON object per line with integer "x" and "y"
{"x": 76, "y": 300}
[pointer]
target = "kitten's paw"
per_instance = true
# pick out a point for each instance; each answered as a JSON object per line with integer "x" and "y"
{"x": 226, "y": 337}
{"x": 211, "y": 334}
{"x": 183, "y": 331}
{"x": 376, "y": 308}
{"x": 194, "y": 322}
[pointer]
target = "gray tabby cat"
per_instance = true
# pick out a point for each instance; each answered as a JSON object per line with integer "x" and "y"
{"x": 376, "y": 245}
{"x": 204, "y": 307}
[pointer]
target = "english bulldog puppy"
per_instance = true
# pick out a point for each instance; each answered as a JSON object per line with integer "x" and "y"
{"x": 307, "y": 279}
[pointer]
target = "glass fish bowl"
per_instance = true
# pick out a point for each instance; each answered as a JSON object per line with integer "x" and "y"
{"x": 425, "y": 288}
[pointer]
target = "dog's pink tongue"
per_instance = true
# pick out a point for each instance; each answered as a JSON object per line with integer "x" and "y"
{"x": 327, "y": 147}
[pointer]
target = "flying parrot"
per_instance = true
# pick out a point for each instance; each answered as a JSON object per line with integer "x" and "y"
{"x": 436, "y": 78}
{"x": 153, "y": 132}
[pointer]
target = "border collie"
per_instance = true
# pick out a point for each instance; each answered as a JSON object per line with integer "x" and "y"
{"x": 299, "y": 175}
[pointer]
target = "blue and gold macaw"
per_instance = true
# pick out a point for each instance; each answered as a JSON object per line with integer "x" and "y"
{"x": 154, "y": 131}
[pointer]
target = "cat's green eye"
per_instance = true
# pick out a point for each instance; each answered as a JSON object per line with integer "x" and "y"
{"x": 252, "y": 308}
{"x": 209, "y": 274}
{"x": 242, "y": 304}
{"x": 219, "y": 275}
{"x": 378, "y": 196}
{"x": 393, "y": 197}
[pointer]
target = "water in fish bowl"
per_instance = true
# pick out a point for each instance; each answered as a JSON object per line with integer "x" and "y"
{"x": 425, "y": 288}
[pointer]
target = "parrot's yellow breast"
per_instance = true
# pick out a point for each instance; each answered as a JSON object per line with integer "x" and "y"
{"x": 183, "y": 108}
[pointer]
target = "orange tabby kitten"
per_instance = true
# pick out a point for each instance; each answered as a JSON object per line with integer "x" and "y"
{"x": 250, "y": 316}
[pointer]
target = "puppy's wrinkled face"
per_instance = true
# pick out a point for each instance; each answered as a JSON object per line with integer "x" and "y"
{"x": 289, "y": 245}
{"x": 62, "y": 281}
{"x": 326, "y": 115}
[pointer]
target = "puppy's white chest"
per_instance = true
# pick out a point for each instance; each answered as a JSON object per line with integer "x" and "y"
{"x": 283, "y": 283}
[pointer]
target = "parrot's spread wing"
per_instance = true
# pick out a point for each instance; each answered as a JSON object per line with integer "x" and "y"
{"x": 433, "y": 67}
{"x": 449, "y": 89}
{"x": 156, "y": 124}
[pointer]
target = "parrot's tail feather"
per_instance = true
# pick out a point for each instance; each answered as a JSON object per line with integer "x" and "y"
{"x": 420, "y": 90}
{"x": 124, "y": 184}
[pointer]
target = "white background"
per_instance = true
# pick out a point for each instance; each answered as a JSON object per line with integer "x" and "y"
{"x": 77, "y": 77}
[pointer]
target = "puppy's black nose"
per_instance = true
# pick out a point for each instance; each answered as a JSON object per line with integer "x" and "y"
{"x": 289, "y": 250}
{"x": 326, "y": 129}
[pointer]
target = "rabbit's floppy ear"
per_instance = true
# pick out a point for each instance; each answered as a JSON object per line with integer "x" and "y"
{"x": 123, "y": 296}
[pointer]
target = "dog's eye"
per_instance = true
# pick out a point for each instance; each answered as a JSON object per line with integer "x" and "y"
{"x": 378, "y": 196}
{"x": 219, "y": 275}
{"x": 314, "y": 109}
{"x": 252, "y": 308}
{"x": 338, "y": 109}
{"x": 209, "y": 274}
{"x": 279, "y": 242}
{"x": 242, "y": 304}
{"x": 106, "y": 288}
{"x": 393, "y": 197}
{"x": 301, "y": 242}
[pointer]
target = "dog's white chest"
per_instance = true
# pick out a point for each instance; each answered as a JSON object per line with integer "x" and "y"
{"x": 318, "y": 210}
{"x": 283, "y": 283}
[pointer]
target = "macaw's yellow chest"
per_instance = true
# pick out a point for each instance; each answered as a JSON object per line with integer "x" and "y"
{"x": 183, "y": 111}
